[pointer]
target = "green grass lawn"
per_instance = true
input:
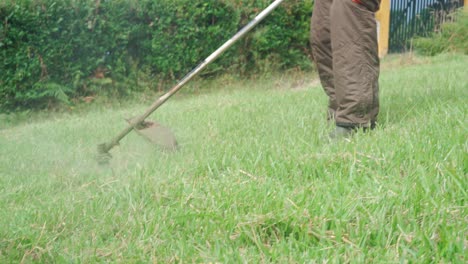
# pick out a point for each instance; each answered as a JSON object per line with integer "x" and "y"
{"x": 255, "y": 179}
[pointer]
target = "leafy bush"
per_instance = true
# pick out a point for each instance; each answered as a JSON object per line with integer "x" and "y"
{"x": 56, "y": 50}
{"x": 453, "y": 36}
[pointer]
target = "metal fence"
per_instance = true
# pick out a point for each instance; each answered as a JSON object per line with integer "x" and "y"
{"x": 410, "y": 18}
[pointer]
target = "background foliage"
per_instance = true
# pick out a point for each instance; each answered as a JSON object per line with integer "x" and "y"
{"x": 453, "y": 36}
{"x": 53, "y": 51}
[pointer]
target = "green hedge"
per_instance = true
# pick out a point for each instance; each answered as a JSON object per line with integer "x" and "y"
{"x": 52, "y": 51}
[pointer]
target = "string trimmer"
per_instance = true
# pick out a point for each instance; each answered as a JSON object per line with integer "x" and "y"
{"x": 156, "y": 133}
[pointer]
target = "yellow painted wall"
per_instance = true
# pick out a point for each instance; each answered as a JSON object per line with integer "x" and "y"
{"x": 383, "y": 20}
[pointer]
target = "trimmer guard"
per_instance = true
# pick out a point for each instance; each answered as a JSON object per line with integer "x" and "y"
{"x": 157, "y": 134}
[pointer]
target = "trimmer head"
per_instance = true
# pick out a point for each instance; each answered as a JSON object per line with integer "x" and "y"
{"x": 104, "y": 156}
{"x": 155, "y": 133}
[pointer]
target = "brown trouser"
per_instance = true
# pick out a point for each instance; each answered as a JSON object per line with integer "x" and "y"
{"x": 344, "y": 46}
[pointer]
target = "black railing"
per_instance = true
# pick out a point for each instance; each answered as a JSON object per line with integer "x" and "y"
{"x": 410, "y": 18}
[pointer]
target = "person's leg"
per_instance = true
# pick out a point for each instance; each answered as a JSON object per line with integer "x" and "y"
{"x": 355, "y": 62}
{"x": 322, "y": 50}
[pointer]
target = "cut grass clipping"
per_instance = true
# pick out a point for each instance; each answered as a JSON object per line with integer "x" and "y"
{"x": 255, "y": 179}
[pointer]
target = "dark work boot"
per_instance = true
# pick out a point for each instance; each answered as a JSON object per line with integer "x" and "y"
{"x": 341, "y": 132}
